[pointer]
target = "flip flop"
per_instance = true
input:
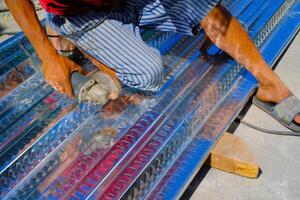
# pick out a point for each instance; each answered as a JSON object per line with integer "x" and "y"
{"x": 284, "y": 112}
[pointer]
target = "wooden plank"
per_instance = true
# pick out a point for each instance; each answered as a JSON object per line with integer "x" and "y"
{"x": 232, "y": 155}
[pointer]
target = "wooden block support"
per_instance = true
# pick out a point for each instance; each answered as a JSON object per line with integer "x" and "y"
{"x": 232, "y": 155}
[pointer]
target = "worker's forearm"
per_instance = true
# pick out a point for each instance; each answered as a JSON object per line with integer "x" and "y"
{"x": 24, "y": 13}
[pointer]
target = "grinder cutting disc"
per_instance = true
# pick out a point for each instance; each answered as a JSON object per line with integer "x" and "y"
{"x": 98, "y": 88}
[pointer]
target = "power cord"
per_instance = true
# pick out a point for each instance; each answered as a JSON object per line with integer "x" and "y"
{"x": 6, "y": 10}
{"x": 268, "y": 131}
{"x": 9, "y": 33}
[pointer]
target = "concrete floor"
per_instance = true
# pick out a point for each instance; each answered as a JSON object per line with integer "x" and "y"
{"x": 7, "y": 22}
{"x": 278, "y": 156}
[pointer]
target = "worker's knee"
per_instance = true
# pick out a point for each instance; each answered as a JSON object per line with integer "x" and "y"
{"x": 153, "y": 78}
{"x": 147, "y": 75}
{"x": 216, "y": 23}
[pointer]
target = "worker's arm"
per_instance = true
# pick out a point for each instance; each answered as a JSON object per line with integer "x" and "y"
{"x": 56, "y": 68}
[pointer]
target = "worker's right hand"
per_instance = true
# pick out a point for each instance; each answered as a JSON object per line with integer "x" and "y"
{"x": 57, "y": 71}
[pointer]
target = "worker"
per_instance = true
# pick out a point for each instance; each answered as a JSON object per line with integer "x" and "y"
{"x": 108, "y": 32}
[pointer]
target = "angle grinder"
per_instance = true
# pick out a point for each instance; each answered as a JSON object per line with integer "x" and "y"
{"x": 94, "y": 88}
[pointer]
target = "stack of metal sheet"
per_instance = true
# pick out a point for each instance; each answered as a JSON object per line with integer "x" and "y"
{"x": 141, "y": 145}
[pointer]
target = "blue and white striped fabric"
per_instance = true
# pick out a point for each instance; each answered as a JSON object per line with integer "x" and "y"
{"x": 113, "y": 37}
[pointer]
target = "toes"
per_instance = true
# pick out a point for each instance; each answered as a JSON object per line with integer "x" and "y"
{"x": 297, "y": 119}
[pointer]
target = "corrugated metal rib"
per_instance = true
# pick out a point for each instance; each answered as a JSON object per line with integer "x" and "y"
{"x": 138, "y": 146}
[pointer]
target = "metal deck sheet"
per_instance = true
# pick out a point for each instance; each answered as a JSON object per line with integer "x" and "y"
{"x": 141, "y": 145}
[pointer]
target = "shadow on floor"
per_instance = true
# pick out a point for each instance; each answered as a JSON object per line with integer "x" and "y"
{"x": 195, "y": 183}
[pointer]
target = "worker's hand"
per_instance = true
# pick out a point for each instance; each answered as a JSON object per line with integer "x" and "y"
{"x": 57, "y": 72}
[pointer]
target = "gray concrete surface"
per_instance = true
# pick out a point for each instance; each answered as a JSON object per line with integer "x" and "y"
{"x": 7, "y": 22}
{"x": 278, "y": 156}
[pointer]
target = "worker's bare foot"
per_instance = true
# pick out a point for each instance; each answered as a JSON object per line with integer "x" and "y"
{"x": 275, "y": 94}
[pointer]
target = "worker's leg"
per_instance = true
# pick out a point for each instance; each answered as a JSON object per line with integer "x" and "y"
{"x": 223, "y": 29}
{"x": 227, "y": 33}
{"x": 114, "y": 44}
